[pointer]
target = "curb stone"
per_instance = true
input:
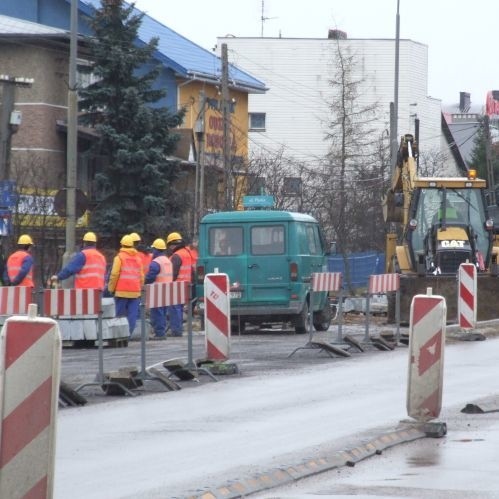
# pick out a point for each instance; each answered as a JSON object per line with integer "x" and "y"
{"x": 287, "y": 475}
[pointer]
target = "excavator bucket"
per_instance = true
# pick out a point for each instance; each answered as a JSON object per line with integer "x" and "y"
{"x": 446, "y": 286}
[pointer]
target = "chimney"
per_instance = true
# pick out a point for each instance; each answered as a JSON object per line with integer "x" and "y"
{"x": 464, "y": 101}
{"x": 336, "y": 34}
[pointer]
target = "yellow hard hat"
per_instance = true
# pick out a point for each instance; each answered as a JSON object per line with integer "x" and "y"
{"x": 127, "y": 241}
{"x": 90, "y": 237}
{"x": 159, "y": 244}
{"x": 25, "y": 239}
{"x": 135, "y": 237}
{"x": 173, "y": 237}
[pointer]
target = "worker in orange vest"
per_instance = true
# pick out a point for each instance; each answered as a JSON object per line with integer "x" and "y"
{"x": 19, "y": 268}
{"x": 182, "y": 261}
{"x": 88, "y": 266}
{"x": 160, "y": 270}
{"x": 144, "y": 253}
{"x": 125, "y": 282}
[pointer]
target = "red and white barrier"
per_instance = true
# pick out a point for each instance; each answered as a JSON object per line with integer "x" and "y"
{"x": 426, "y": 353}
{"x": 326, "y": 281}
{"x": 217, "y": 316}
{"x": 29, "y": 376}
{"x": 57, "y": 302}
{"x": 15, "y": 300}
{"x": 164, "y": 294}
{"x": 467, "y": 296}
{"x": 384, "y": 283}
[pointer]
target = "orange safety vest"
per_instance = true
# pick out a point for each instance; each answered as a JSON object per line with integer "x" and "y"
{"x": 165, "y": 269}
{"x": 93, "y": 272}
{"x": 14, "y": 263}
{"x": 146, "y": 260}
{"x": 130, "y": 272}
{"x": 185, "y": 271}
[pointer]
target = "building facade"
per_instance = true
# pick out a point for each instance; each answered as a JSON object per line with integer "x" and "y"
{"x": 294, "y": 114}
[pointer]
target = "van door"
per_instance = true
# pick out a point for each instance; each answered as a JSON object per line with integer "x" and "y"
{"x": 227, "y": 253}
{"x": 268, "y": 264}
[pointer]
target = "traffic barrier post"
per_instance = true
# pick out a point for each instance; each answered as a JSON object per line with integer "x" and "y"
{"x": 383, "y": 284}
{"x": 322, "y": 282}
{"x": 76, "y": 303}
{"x": 164, "y": 294}
{"x": 217, "y": 316}
{"x": 426, "y": 353}
{"x": 467, "y": 296}
{"x": 29, "y": 382}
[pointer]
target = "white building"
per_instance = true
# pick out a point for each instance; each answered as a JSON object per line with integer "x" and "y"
{"x": 293, "y": 113}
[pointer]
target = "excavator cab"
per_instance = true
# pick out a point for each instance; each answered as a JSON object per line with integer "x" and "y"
{"x": 446, "y": 229}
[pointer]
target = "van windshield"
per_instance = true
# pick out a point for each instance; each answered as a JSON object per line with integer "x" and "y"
{"x": 267, "y": 240}
{"x": 225, "y": 241}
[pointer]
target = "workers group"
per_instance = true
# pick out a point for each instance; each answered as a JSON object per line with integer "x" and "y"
{"x": 132, "y": 267}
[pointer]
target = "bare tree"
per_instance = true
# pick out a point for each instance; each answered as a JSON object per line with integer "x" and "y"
{"x": 349, "y": 169}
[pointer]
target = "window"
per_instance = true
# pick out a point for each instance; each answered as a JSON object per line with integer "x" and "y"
{"x": 226, "y": 241}
{"x": 267, "y": 240}
{"x": 257, "y": 121}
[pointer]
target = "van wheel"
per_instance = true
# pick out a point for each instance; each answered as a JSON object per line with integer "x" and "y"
{"x": 301, "y": 321}
{"x": 322, "y": 318}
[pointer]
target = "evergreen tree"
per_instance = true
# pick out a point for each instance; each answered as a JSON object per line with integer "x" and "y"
{"x": 135, "y": 180}
{"x": 478, "y": 157}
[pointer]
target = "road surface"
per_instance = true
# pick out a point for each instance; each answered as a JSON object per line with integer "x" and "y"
{"x": 177, "y": 444}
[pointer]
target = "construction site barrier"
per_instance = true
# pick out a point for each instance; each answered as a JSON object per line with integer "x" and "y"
{"x": 73, "y": 302}
{"x": 29, "y": 374}
{"x": 383, "y": 284}
{"x": 324, "y": 282}
{"x": 16, "y": 299}
{"x": 426, "y": 353}
{"x": 217, "y": 316}
{"x": 467, "y": 296}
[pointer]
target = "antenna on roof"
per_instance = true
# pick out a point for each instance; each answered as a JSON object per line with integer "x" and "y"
{"x": 263, "y": 18}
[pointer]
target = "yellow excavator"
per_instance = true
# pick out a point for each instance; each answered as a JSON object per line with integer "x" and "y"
{"x": 433, "y": 225}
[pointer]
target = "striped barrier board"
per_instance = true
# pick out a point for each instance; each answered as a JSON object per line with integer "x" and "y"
{"x": 166, "y": 293}
{"x": 29, "y": 375}
{"x": 57, "y": 302}
{"x": 217, "y": 316}
{"x": 426, "y": 351}
{"x": 384, "y": 283}
{"x": 15, "y": 299}
{"x": 467, "y": 296}
{"x": 326, "y": 281}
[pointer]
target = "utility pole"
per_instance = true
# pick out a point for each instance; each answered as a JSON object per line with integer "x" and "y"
{"x": 226, "y": 129}
{"x": 199, "y": 190}
{"x": 488, "y": 162}
{"x": 72, "y": 143}
{"x": 394, "y": 109}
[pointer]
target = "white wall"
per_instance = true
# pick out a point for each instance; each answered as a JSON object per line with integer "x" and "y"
{"x": 297, "y": 73}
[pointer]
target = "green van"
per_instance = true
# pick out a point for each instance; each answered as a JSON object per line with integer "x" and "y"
{"x": 269, "y": 257}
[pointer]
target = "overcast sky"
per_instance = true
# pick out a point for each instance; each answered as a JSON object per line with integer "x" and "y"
{"x": 462, "y": 35}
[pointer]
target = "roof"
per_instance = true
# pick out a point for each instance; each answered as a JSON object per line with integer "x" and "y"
{"x": 183, "y": 56}
{"x": 14, "y": 26}
{"x": 231, "y": 217}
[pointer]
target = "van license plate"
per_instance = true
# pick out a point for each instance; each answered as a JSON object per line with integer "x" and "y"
{"x": 235, "y": 294}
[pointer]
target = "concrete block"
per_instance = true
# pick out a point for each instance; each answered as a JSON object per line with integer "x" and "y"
{"x": 108, "y": 308}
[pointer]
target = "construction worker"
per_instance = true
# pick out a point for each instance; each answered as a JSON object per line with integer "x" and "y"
{"x": 125, "y": 282}
{"x": 160, "y": 270}
{"x": 181, "y": 259}
{"x": 19, "y": 268}
{"x": 144, "y": 253}
{"x": 88, "y": 266}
